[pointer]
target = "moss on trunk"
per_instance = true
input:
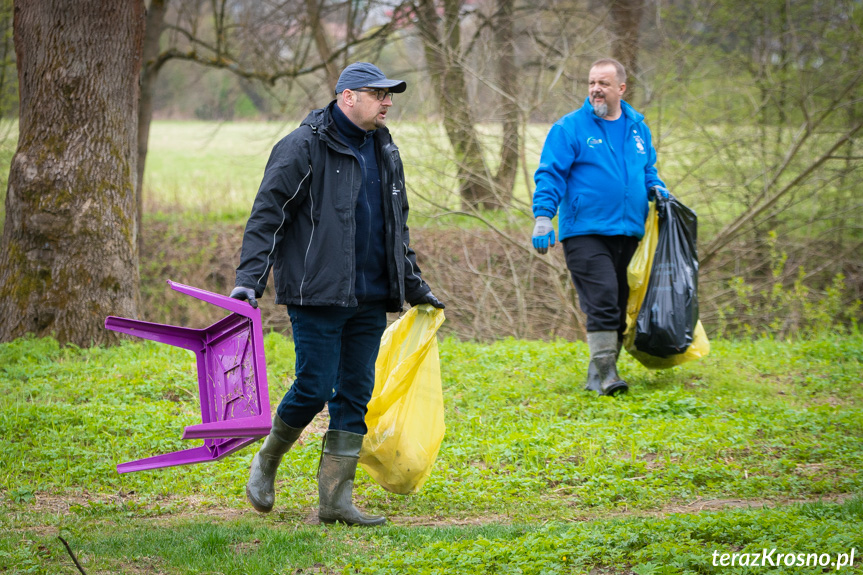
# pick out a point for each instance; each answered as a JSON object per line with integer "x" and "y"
{"x": 69, "y": 255}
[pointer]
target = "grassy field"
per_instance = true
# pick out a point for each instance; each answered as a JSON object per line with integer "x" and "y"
{"x": 213, "y": 169}
{"x": 758, "y": 446}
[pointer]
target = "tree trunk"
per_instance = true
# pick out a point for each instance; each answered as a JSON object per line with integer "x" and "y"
{"x": 149, "y": 73}
{"x": 313, "y": 12}
{"x": 626, "y": 20}
{"x": 458, "y": 120}
{"x": 507, "y": 80}
{"x": 443, "y": 51}
{"x": 68, "y": 255}
{"x": 8, "y": 88}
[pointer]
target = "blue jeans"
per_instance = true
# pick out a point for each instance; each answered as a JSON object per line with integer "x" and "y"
{"x": 336, "y": 350}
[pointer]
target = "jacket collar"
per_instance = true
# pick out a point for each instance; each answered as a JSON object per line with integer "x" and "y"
{"x": 350, "y": 132}
{"x": 322, "y": 122}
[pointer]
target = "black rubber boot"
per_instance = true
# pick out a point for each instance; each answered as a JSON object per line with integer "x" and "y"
{"x": 602, "y": 374}
{"x": 261, "y": 488}
{"x": 341, "y": 452}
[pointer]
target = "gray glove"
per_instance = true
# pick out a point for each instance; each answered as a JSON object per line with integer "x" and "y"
{"x": 428, "y": 298}
{"x": 543, "y": 234}
{"x": 245, "y": 293}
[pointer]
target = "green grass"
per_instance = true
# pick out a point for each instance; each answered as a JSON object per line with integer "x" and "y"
{"x": 208, "y": 167}
{"x": 216, "y": 168}
{"x": 534, "y": 476}
{"x": 213, "y": 169}
{"x": 677, "y": 543}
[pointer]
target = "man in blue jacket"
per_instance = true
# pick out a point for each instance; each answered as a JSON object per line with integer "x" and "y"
{"x": 598, "y": 167}
{"x": 330, "y": 219}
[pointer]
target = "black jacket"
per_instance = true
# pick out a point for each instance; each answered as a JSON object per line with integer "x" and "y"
{"x": 302, "y": 222}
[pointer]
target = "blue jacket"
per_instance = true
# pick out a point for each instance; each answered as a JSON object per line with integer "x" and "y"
{"x": 578, "y": 172}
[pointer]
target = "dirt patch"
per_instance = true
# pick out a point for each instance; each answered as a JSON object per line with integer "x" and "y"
{"x": 442, "y": 521}
{"x": 197, "y": 508}
{"x": 316, "y": 568}
{"x": 700, "y": 505}
{"x": 427, "y": 521}
{"x": 194, "y": 506}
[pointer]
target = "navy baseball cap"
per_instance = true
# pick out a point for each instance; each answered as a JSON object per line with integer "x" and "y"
{"x": 365, "y": 75}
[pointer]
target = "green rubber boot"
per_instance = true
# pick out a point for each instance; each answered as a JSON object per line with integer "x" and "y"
{"x": 341, "y": 453}
{"x": 602, "y": 374}
{"x": 261, "y": 488}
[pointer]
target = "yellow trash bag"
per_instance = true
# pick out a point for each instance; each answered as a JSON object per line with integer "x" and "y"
{"x": 638, "y": 276}
{"x": 405, "y": 414}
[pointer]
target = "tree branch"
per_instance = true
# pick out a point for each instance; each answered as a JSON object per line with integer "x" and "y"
{"x": 730, "y": 231}
{"x": 72, "y": 555}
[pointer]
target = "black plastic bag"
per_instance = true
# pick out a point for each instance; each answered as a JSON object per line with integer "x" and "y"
{"x": 667, "y": 318}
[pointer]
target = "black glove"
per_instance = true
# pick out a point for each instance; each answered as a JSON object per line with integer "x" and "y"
{"x": 245, "y": 293}
{"x": 428, "y": 298}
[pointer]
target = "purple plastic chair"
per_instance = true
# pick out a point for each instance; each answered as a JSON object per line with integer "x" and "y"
{"x": 232, "y": 379}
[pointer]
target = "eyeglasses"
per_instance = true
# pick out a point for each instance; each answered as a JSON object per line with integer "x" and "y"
{"x": 380, "y": 93}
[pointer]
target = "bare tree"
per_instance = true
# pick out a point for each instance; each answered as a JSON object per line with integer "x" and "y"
{"x": 446, "y": 58}
{"x": 503, "y": 28}
{"x": 68, "y": 255}
{"x": 768, "y": 154}
{"x": 783, "y": 139}
{"x": 325, "y": 51}
{"x": 625, "y": 23}
{"x": 155, "y": 24}
{"x": 269, "y": 43}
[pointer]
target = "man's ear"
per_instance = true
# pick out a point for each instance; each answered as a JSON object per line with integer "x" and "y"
{"x": 349, "y": 97}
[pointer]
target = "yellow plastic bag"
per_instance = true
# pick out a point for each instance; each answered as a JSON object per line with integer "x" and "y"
{"x": 638, "y": 276}
{"x": 405, "y": 415}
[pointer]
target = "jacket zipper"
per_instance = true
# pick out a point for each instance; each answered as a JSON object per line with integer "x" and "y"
{"x": 616, "y": 163}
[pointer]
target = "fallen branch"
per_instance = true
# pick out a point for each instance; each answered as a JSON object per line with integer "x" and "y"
{"x": 72, "y": 555}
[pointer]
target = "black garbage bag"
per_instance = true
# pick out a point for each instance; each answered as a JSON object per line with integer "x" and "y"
{"x": 667, "y": 318}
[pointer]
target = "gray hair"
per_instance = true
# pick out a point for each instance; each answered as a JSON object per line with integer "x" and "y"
{"x": 620, "y": 71}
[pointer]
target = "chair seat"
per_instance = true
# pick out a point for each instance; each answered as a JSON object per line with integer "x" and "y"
{"x": 232, "y": 379}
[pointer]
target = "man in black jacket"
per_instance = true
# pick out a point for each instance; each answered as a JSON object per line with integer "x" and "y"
{"x": 330, "y": 218}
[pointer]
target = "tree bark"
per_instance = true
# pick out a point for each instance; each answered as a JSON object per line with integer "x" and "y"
{"x": 626, "y": 21}
{"x": 8, "y": 88}
{"x": 443, "y": 53}
{"x": 313, "y": 11}
{"x": 155, "y": 24}
{"x": 507, "y": 80}
{"x": 68, "y": 256}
